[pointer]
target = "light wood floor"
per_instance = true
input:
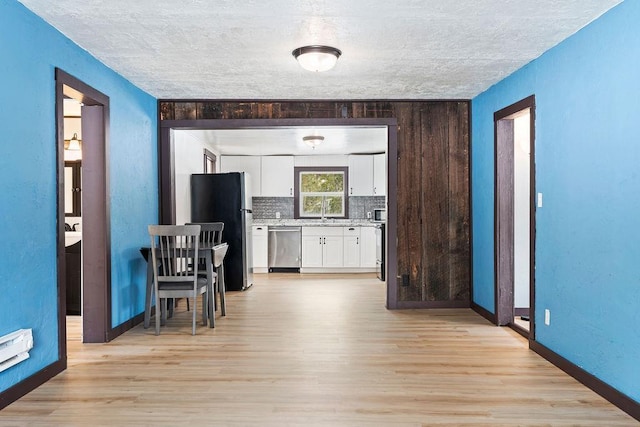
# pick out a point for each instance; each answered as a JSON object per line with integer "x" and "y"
{"x": 314, "y": 351}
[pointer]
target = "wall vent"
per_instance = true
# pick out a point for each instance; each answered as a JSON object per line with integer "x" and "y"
{"x": 14, "y": 348}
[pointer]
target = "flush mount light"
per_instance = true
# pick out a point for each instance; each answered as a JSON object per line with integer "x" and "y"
{"x": 317, "y": 58}
{"x": 313, "y": 140}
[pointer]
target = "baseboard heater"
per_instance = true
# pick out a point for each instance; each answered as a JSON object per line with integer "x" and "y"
{"x": 14, "y": 348}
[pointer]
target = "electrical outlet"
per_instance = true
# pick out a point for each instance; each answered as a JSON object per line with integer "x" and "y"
{"x": 277, "y": 215}
{"x": 547, "y": 316}
{"x": 539, "y": 200}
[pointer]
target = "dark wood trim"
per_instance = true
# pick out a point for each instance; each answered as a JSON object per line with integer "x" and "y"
{"x": 296, "y": 186}
{"x": 166, "y": 176}
{"x": 433, "y": 304}
{"x": 125, "y": 326}
{"x": 471, "y": 212}
{"x": 484, "y": 312}
{"x": 269, "y": 123}
{"x": 621, "y": 400}
{"x": 96, "y": 228}
{"x": 166, "y": 170}
{"x": 531, "y": 102}
{"x": 503, "y": 220}
{"x": 499, "y": 116}
{"x": 519, "y": 329}
{"x": 391, "y": 228}
{"x": 29, "y": 384}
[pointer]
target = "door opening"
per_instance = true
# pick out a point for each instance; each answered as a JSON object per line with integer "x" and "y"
{"x": 94, "y": 257}
{"x": 515, "y": 216}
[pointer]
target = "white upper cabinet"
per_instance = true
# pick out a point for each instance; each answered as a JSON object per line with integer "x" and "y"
{"x": 380, "y": 174}
{"x": 360, "y": 175}
{"x": 248, "y": 164}
{"x": 277, "y": 176}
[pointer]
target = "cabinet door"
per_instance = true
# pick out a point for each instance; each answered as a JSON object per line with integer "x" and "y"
{"x": 361, "y": 175}
{"x": 248, "y": 164}
{"x": 333, "y": 251}
{"x": 351, "y": 251}
{"x": 277, "y": 176}
{"x": 380, "y": 175}
{"x": 311, "y": 251}
{"x": 260, "y": 247}
{"x": 368, "y": 247}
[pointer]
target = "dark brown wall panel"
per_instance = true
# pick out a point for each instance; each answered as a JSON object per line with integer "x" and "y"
{"x": 433, "y": 244}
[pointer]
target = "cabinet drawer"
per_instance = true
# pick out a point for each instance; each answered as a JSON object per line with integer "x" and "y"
{"x": 351, "y": 231}
{"x": 259, "y": 230}
{"x": 322, "y": 231}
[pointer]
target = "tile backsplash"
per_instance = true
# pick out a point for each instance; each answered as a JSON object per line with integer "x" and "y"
{"x": 266, "y": 207}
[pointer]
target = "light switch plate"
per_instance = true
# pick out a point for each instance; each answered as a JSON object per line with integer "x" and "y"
{"x": 539, "y": 200}
{"x": 547, "y": 317}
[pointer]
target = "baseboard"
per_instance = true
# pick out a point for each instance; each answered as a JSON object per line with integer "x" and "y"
{"x": 484, "y": 312}
{"x": 617, "y": 398}
{"x": 431, "y": 304}
{"x": 29, "y": 384}
{"x": 125, "y": 326}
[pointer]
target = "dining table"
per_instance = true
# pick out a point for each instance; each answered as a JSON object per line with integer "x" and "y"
{"x": 212, "y": 256}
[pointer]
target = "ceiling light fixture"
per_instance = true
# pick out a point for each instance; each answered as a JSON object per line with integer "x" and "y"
{"x": 74, "y": 143}
{"x": 317, "y": 58}
{"x": 313, "y": 140}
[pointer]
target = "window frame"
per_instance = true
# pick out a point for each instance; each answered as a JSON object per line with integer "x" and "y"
{"x": 319, "y": 169}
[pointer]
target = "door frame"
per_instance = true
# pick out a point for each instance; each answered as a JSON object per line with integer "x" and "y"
{"x": 96, "y": 256}
{"x": 503, "y": 220}
{"x": 166, "y": 171}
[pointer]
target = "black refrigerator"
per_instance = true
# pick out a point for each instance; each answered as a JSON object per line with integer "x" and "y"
{"x": 225, "y": 197}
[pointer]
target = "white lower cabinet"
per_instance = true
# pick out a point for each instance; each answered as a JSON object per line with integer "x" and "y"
{"x": 368, "y": 247}
{"x": 260, "y": 248}
{"x": 322, "y": 247}
{"x": 338, "y": 249}
{"x": 352, "y": 246}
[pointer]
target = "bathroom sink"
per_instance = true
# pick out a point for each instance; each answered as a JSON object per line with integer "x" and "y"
{"x": 72, "y": 237}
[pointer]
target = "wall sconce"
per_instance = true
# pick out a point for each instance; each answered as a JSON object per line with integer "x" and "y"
{"x": 74, "y": 143}
{"x": 317, "y": 58}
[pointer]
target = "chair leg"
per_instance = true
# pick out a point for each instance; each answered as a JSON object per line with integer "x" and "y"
{"x": 159, "y": 313}
{"x": 205, "y": 311}
{"x": 193, "y": 320}
{"x": 222, "y": 290}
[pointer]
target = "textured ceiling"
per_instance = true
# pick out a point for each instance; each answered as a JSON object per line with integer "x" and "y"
{"x": 405, "y": 49}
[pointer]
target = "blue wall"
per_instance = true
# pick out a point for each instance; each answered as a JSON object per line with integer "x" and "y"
{"x": 587, "y": 93}
{"x": 30, "y": 50}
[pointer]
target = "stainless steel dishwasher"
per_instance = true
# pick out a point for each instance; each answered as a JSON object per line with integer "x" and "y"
{"x": 285, "y": 252}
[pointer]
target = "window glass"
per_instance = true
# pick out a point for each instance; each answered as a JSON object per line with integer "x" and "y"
{"x": 322, "y": 194}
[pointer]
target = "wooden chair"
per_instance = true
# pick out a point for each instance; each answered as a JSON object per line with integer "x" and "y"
{"x": 173, "y": 249}
{"x": 211, "y": 234}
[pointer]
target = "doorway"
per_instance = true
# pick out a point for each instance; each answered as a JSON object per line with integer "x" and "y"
{"x": 515, "y": 216}
{"x": 168, "y": 184}
{"x": 94, "y": 255}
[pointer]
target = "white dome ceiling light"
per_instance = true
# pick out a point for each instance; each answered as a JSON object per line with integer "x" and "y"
{"x": 313, "y": 140}
{"x": 317, "y": 58}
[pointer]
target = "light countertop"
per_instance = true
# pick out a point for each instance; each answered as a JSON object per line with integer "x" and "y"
{"x": 360, "y": 222}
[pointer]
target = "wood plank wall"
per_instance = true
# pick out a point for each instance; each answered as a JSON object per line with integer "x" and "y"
{"x": 433, "y": 243}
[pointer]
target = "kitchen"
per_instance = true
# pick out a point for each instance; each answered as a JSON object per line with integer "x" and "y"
{"x": 331, "y": 233}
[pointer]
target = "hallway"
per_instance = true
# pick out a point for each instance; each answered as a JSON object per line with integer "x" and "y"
{"x": 314, "y": 350}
